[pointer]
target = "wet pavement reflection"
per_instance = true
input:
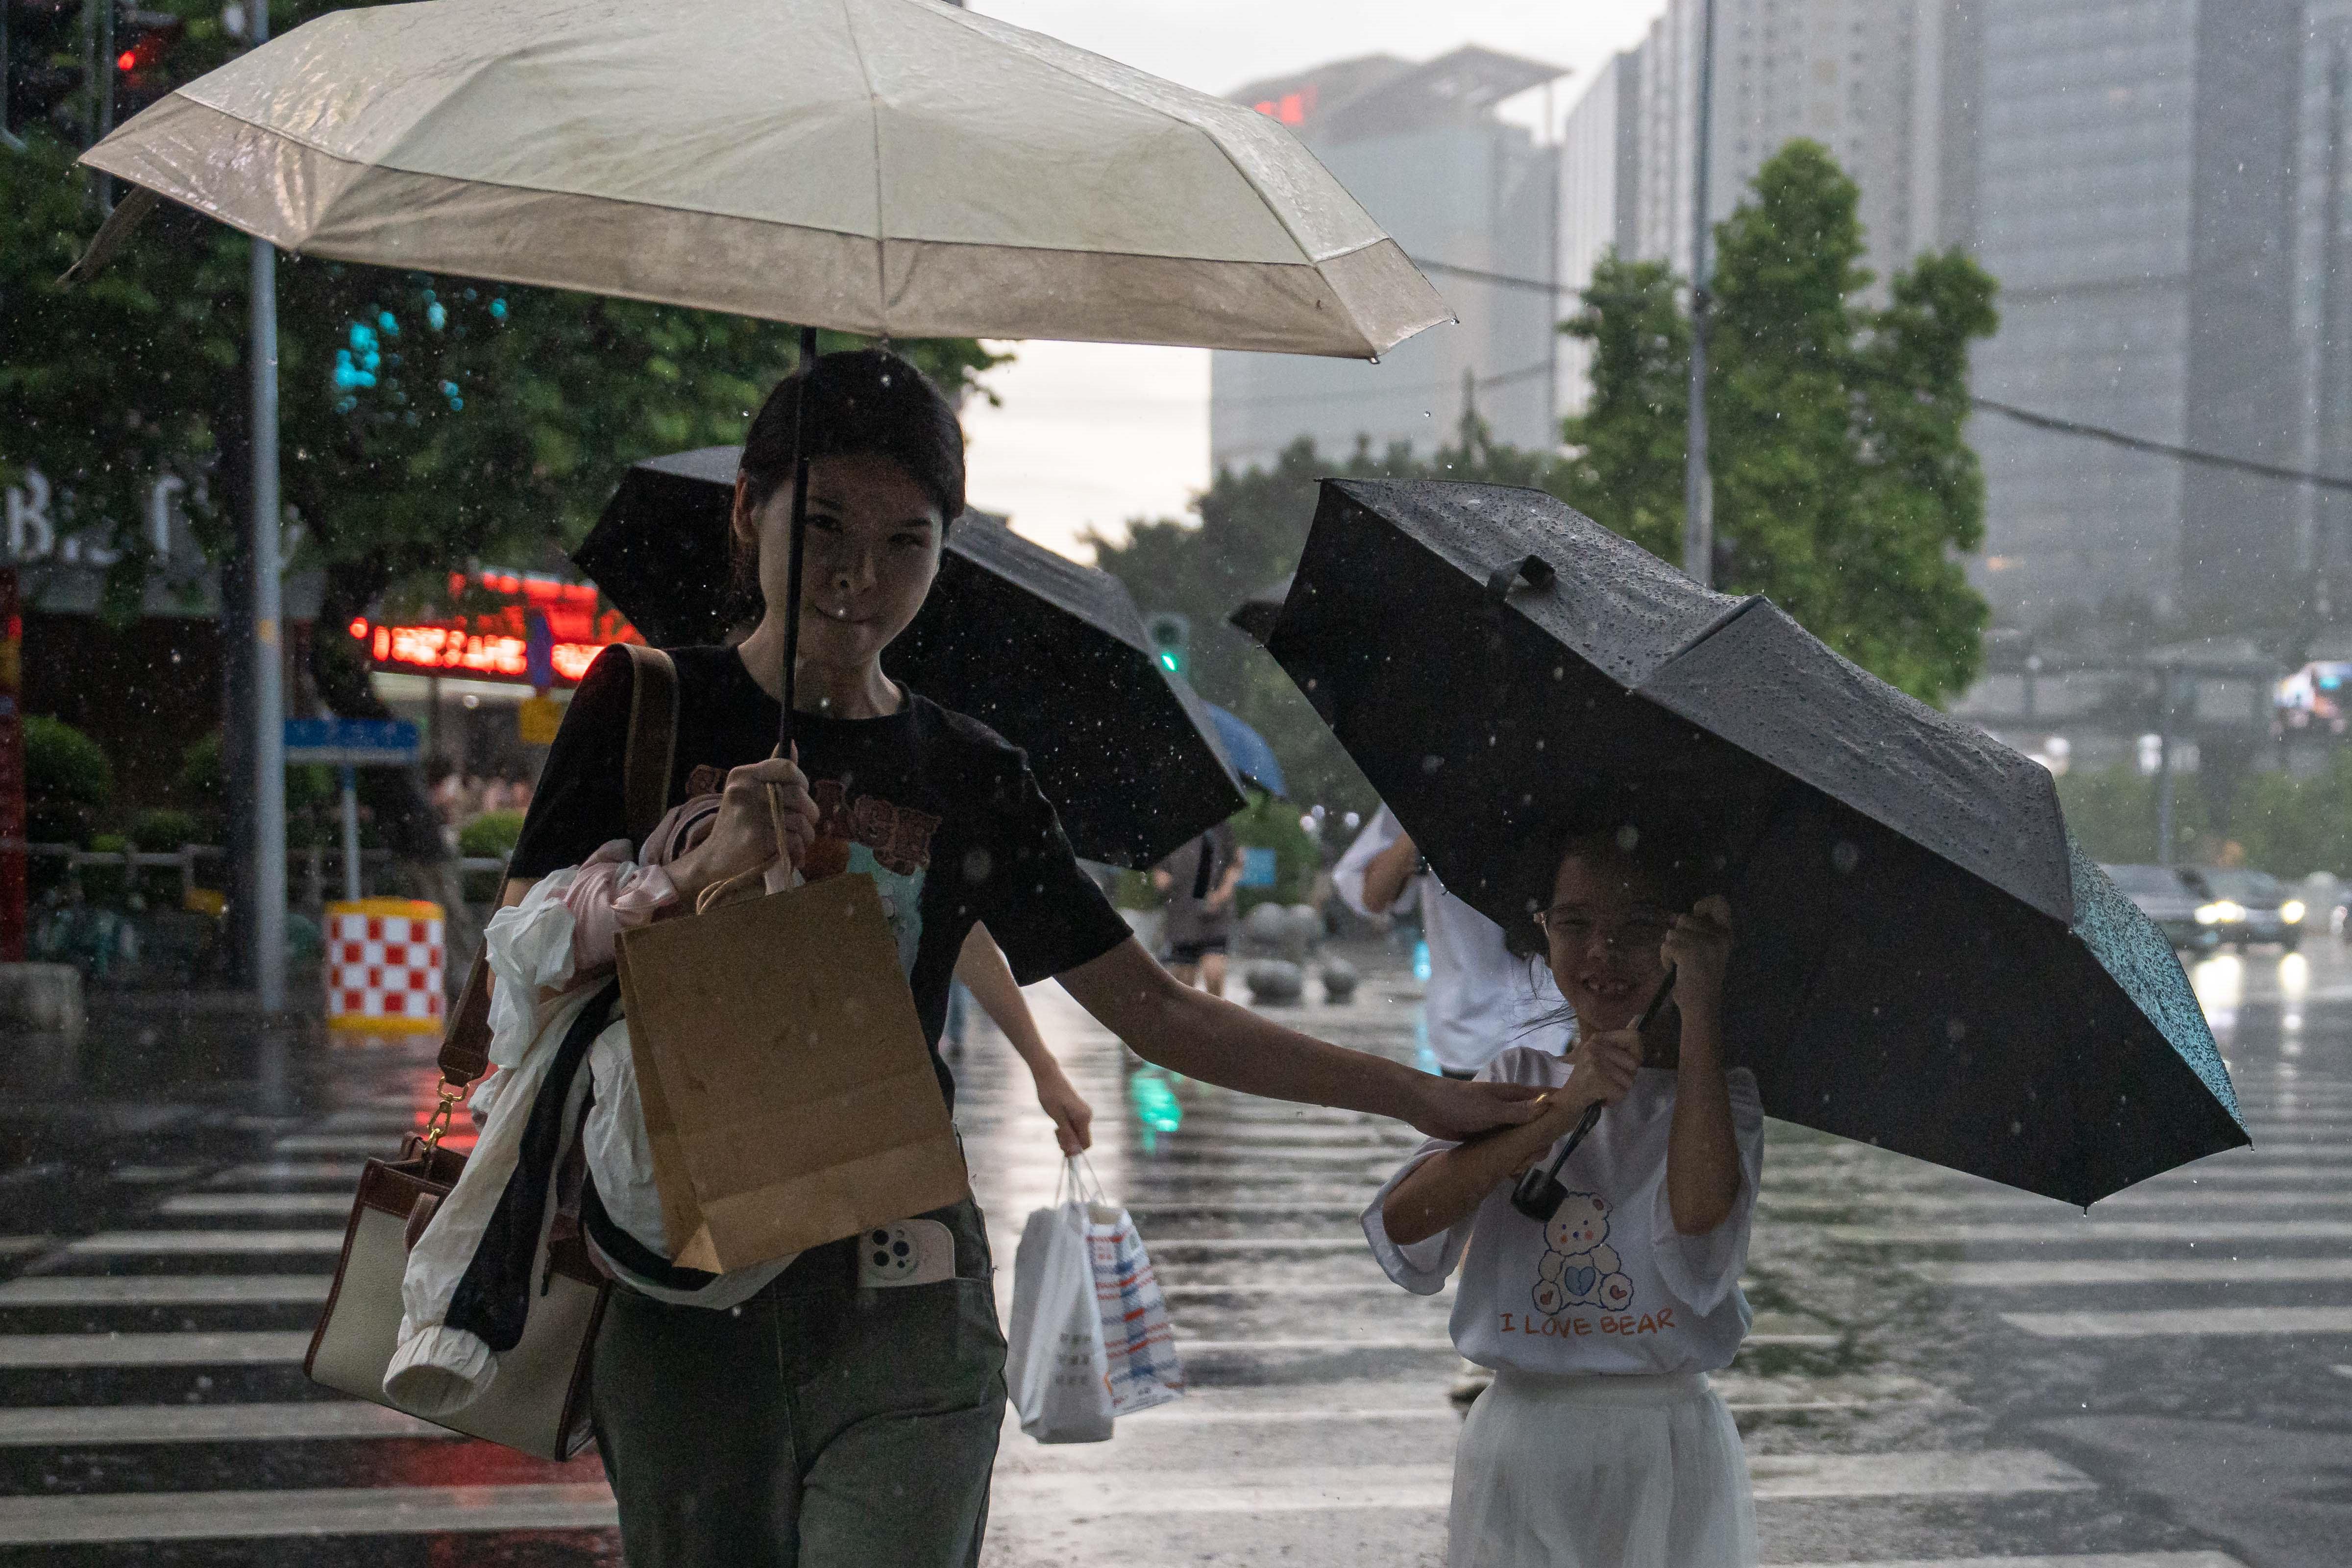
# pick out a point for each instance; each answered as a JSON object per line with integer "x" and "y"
{"x": 1941, "y": 1370}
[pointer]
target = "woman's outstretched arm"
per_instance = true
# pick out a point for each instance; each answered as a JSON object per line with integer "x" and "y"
{"x": 1207, "y": 1037}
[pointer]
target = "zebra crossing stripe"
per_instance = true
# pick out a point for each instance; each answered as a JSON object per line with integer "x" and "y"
{"x": 1917, "y": 1202}
{"x": 18, "y": 1246}
{"x": 2055, "y": 1230}
{"x": 271, "y": 1204}
{"x": 248, "y": 1349}
{"x": 2232, "y": 1320}
{"x": 115, "y": 1517}
{"x": 151, "y": 1243}
{"x": 291, "y": 1171}
{"x": 2024, "y": 1274}
{"x": 310, "y": 1420}
{"x": 164, "y": 1290}
{"x": 2094, "y": 1560}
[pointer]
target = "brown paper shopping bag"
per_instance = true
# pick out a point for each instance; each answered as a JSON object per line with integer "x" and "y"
{"x": 789, "y": 1095}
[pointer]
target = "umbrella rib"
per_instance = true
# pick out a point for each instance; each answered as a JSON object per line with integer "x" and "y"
{"x": 873, "y": 123}
{"x": 1713, "y": 626}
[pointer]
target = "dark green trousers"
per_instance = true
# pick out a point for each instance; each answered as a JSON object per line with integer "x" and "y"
{"x": 817, "y": 1426}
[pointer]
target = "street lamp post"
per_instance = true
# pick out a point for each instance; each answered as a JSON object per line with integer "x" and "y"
{"x": 265, "y": 753}
{"x": 1699, "y": 484}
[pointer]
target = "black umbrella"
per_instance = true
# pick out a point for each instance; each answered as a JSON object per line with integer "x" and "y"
{"x": 1050, "y": 654}
{"x": 1255, "y": 616}
{"x": 1924, "y": 958}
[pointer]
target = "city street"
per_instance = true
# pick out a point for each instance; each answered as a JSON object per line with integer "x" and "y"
{"x": 1941, "y": 1372}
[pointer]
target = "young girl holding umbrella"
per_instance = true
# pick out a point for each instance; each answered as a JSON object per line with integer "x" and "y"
{"x": 1600, "y": 1444}
{"x": 792, "y": 1416}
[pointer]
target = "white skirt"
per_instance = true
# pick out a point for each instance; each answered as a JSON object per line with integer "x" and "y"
{"x": 1600, "y": 1473}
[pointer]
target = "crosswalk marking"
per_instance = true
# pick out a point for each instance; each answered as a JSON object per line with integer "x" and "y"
{"x": 2232, "y": 1320}
{"x": 156, "y": 1242}
{"x": 229, "y": 1204}
{"x": 309, "y": 1420}
{"x": 1338, "y": 1343}
{"x": 94, "y": 1519}
{"x": 382, "y": 1145}
{"x": 1964, "y": 1202}
{"x": 18, "y": 1246}
{"x": 2030, "y": 1273}
{"x": 291, "y": 1171}
{"x": 247, "y": 1349}
{"x": 2059, "y": 1229}
{"x": 2094, "y": 1560}
{"x": 163, "y": 1289}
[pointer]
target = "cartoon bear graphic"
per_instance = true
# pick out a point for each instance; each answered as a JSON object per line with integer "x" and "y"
{"x": 1580, "y": 1269}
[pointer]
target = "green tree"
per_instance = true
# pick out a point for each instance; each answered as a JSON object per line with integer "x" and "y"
{"x": 1844, "y": 488}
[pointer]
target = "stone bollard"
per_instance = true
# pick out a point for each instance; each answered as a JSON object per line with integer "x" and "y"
{"x": 1266, "y": 929}
{"x": 1340, "y": 978}
{"x": 41, "y": 999}
{"x": 1275, "y": 982}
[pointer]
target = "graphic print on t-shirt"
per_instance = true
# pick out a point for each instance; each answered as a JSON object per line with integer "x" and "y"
{"x": 1578, "y": 1268}
{"x": 889, "y": 843}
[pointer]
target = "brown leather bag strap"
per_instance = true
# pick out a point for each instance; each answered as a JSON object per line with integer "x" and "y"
{"x": 650, "y": 749}
{"x": 651, "y": 745}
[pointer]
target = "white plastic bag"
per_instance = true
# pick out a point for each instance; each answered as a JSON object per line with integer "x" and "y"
{"x": 1055, "y": 1365}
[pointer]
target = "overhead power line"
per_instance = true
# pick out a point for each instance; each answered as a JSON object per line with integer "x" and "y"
{"x": 2050, "y": 422}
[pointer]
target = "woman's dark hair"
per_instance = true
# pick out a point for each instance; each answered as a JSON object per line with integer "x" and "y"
{"x": 864, "y": 401}
{"x": 861, "y": 402}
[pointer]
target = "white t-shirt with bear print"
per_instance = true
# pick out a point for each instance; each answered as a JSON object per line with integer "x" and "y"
{"x": 1608, "y": 1286}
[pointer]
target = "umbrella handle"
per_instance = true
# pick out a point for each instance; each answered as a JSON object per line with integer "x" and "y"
{"x": 798, "y": 534}
{"x": 1593, "y": 1112}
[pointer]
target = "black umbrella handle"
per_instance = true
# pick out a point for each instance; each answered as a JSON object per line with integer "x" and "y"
{"x": 798, "y": 536}
{"x": 1593, "y": 1112}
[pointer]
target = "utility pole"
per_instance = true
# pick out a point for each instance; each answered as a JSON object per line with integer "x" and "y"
{"x": 1699, "y": 484}
{"x": 264, "y": 654}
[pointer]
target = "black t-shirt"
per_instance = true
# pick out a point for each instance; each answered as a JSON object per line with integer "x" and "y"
{"x": 938, "y": 809}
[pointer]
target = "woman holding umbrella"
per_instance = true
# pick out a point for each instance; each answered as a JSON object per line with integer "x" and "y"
{"x": 812, "y": 1420}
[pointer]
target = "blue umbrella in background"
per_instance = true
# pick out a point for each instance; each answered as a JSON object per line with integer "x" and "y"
{"x": 1248, "y": 751}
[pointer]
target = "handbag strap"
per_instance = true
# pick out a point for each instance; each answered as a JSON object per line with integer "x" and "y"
{"x": 649, "y": 752}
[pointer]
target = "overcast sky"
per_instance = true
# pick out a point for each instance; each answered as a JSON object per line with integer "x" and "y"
{"x": 1093, "y": 433}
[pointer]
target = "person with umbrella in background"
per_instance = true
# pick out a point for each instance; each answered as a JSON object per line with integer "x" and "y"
{"x": 835, "y": 1400}
{"x": 1200, "y": 881}
{"x": 1602, "y": 1312}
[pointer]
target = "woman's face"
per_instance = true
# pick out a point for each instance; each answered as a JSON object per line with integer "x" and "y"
{"x": 1604, "y": 928}
{"x": 873, "y": 547}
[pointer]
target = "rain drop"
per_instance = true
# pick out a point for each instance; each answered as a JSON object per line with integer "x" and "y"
{"x": 1628, "y": 837}
{"x": 1956, "y": 1030}
{"x": 1429, "y": 765}
{"x": 1845, "y": 856}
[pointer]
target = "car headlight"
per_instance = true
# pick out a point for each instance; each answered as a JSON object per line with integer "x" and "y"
{"x": 2220, "y": 911}
{"x": 2292, "y": 912}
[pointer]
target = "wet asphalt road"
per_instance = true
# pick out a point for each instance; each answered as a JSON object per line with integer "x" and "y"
{"x": 1942, "y": 1370}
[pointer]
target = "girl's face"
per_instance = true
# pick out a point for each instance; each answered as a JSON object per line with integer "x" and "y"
{"x": 872, "y": 550}
{"x": 1604, "y": 928}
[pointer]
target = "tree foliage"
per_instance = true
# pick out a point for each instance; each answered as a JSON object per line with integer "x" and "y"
{"x": 1844, "y": 488}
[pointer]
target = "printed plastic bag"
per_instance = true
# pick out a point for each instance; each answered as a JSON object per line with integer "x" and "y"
{"x": 1055, "y": 1365}
{"x": 1138, "y": 1344}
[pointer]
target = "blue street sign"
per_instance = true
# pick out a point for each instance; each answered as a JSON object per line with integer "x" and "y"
{"x": 1258, "y": 869}
{"x": 351, "y": 742}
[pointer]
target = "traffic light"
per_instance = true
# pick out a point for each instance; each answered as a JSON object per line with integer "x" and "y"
{"x": 1172, "y": 640}
{"x": 143, "y": 42}
{"x": 43, "y": 53}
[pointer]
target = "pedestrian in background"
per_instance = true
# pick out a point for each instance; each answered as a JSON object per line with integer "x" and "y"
{"x": 1202, "y": 881}
{"x": 1602, "y": 1444}
{"x": 1480, "y": 998}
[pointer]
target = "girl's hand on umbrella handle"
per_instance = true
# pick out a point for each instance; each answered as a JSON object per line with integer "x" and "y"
{"x": 1449, "y": 1108}
{"x": 1699, "y": 948}
{"x": 1603, "y": 1073}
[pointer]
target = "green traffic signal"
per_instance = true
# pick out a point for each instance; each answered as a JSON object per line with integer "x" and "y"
{"x": 1172, "y": 640}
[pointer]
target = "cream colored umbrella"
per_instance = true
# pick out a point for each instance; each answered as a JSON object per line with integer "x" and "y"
{"x": 893, "y": 168}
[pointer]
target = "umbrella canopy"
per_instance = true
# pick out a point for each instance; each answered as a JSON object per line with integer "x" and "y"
{"x": 1254, "y": 617}
{"x": 1049, "y": 653}
{"x": 894, "y": 168}
{"x": 1925, "y": 959}
{"x": 1248, "y": 751}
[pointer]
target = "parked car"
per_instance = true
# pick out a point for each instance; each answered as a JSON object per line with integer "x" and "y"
{"x": 2184, "y": 910}
{"x": 2253, "y": 907}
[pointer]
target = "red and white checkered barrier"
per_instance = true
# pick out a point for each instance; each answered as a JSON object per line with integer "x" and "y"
{"x": 383, "y": 966}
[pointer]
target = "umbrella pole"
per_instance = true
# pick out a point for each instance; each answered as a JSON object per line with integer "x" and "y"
{"x": 797, "y": 536}
{"x": 1539, "y": 1193}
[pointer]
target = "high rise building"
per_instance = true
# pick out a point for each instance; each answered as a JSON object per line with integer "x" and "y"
{"x": 2148, "y": 181}
{"x": 1422, "y": 147}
